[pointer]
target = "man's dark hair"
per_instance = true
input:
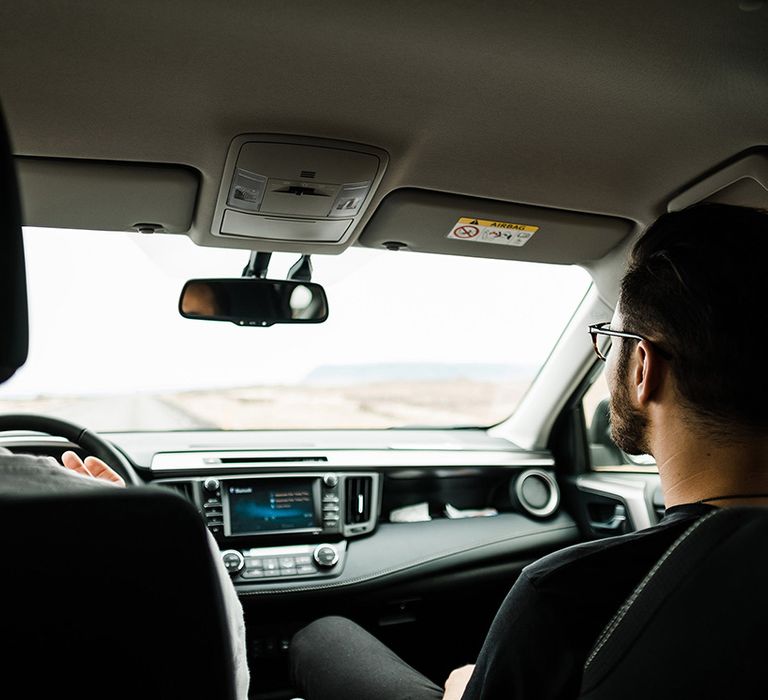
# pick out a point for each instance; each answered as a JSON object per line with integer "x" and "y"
{"x": 697, "y": 287}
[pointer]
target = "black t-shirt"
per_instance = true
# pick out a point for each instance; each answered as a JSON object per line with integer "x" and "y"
{"x": 550, "y": 620}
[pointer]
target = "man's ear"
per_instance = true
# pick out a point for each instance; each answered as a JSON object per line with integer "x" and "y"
{"x": 647, "y": 373}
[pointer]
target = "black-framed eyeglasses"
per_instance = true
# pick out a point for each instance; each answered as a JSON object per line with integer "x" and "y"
{"x": 597, "y": 329}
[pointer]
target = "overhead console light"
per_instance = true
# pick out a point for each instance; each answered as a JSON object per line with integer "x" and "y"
{"x": 295, "y": 190}
{"x": 743, "y": 181}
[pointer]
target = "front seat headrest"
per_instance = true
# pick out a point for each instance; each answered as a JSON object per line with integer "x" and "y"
{"x": 14, "y": 333}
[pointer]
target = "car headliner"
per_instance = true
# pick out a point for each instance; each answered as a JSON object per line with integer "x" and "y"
{"x": 591, "y": 106}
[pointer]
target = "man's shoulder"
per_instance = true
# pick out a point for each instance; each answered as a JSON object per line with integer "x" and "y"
{"x": 639, "y": 549}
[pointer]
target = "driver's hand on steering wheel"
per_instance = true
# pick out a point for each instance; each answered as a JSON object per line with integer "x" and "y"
{"x": 93, "y": 467}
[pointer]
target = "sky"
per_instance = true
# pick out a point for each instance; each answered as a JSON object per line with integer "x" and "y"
{"x": 104, "y": 318}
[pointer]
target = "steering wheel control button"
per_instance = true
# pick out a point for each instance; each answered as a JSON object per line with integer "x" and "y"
{"x": 233, "y": 561}
{"x": 326, "y": 555}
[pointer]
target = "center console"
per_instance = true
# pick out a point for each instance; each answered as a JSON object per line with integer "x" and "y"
{"x": 273, "y": 526}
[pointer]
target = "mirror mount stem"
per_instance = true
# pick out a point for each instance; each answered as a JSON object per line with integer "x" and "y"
{"x": 257, "y": 265}
{"x": 301, "y": 271}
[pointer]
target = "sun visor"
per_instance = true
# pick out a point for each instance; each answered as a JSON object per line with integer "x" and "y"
{"x": 107, "y": 196}
{"x": 742, "y": 181}
{"x": 434, "y": 222}
{"x": 287, "y": 193}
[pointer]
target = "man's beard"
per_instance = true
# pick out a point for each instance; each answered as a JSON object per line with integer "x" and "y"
{"x": 629, "y": 426}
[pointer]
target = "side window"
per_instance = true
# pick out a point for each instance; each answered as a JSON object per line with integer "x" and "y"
{"x": 603, "y": 452}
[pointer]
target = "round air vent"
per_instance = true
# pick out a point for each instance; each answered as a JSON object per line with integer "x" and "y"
{"x": 535, "y": 492}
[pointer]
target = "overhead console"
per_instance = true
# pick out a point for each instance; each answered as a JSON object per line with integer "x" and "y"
{"x": 295, "y": 194}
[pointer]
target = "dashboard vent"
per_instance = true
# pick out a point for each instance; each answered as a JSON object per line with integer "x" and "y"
{"x": 253, "y": 460}
{"x": 536, "y": 493}
{"x": 358, "y": 499}
{"x": 183, "y": 488}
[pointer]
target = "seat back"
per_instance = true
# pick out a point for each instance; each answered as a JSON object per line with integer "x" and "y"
{"x": 111, "y": 595}
{"x": 696, "y": 626}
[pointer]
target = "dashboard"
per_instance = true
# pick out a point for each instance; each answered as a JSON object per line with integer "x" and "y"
{"x": 323, "y": 512}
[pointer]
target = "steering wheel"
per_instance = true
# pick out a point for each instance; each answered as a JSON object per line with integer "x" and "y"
{"x": 86, "y": 439}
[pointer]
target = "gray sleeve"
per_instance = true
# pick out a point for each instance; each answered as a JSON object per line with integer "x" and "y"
{"x": 29, "y": 474}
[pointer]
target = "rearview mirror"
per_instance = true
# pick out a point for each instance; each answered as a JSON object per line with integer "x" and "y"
{"x": 253, "y": 301}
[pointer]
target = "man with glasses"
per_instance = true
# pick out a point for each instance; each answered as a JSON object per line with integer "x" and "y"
{"x": 685, "y": 372}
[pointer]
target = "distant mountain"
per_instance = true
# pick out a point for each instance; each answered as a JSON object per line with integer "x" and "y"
{"x": 416, "y": 371}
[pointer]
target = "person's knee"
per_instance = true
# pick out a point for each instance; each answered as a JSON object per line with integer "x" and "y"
{"x": 335, "y": 658}
{"x": 320, "y": 631}
{"x": 317, "y": 638}
{"x": 312, "y": 644}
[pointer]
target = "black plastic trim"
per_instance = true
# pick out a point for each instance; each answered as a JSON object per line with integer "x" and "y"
{"x": 401, "y": 551}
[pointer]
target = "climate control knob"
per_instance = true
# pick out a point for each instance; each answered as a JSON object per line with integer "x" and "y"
{"x": 325, "y": 555}
{"x": 233, "y": 561}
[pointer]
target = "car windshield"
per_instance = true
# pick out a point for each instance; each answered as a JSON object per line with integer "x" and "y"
{"x": 411, "y": 339}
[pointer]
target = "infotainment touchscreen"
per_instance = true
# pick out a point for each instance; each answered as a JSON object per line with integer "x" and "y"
{"x": 270, "y": 505}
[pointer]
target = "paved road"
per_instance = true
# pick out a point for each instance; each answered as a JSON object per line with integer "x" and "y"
{"x": 375, "y": 405}
{"x": 133, "y": 412}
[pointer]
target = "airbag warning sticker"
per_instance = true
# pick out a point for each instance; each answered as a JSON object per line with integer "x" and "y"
{"x": 485, "y": 231}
